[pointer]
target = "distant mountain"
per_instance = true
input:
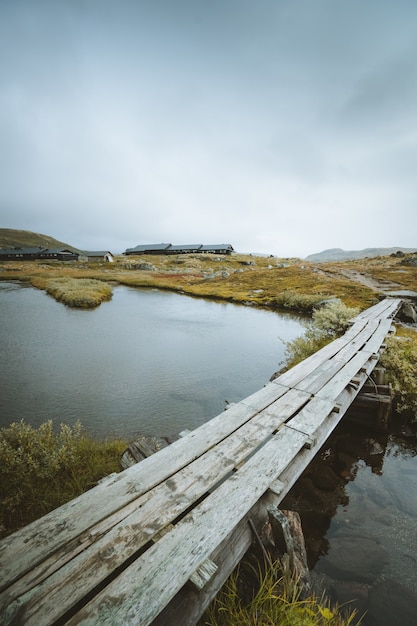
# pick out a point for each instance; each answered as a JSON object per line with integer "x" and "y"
{"x": 337, "y": 254}
{"x": 11, "y": 238}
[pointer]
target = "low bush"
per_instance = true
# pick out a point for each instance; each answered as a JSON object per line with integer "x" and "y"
{"x": 400, "y": 358}
{"x": 42, "y": 468}
{"x": 328, "y": 322}
{"x": 289, "y": 299}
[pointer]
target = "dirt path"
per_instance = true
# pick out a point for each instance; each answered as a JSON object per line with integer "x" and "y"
{"x": 380, "y": 286}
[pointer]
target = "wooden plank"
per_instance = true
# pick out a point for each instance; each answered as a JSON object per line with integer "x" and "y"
{"x": 385, "y": 308}
{"x": 50, "y": 597}
{"x": 343, "y": 402}
{"x": 297, "y": 373}
{"x": 321, "y": 375}
{"x": 336, "y": 385}
{"x": 168, "y": 565}
{"x": 186, "y": 607}
{"x": 59, "y": 527}
{"x": 378, "y": 338}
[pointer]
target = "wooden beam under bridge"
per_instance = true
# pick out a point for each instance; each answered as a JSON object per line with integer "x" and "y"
{"x": 124, "y": 552}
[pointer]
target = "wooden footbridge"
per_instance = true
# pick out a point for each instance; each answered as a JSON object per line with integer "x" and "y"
{"x": 153, "y": 544}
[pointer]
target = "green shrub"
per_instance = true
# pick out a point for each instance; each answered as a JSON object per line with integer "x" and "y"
{"x": 289, "y": 299}
{"x": 328, "y": 322}
{"x": 42, "y": 469}
{"x": 400, "y": 358}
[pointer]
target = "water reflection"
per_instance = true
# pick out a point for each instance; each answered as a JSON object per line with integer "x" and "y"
{"x": 358, "y": 505}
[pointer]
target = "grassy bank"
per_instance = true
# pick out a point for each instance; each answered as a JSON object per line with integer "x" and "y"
{"x": 258, "y": 281}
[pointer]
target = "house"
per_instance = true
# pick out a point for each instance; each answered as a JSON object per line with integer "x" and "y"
{"x": 59, "y": 254}
{"x": 97, "y": 256}
{"x": 20, "y": 254}
{"x": 156, "y": 248}
{"x": 222, "y": 248}
{"x": 32, "y": 254}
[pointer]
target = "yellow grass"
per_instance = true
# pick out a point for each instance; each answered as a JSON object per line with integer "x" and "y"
{"x": 266, "y": 282}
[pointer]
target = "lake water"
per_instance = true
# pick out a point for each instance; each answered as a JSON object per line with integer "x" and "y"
{"x": 148, "y": 361}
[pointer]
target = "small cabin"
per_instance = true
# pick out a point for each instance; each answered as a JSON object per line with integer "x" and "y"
{"x": 97, "y": 256}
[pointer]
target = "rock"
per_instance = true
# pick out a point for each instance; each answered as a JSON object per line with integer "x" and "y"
{"x": 389, "y": 604}
{"x": 146, "y": 267}
{"x": 408, "y": 313}
{"x": 409, "y": 260}
{"x": 354, "y": 558}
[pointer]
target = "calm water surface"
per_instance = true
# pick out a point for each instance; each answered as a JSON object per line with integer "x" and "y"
{"x": 147, "y": 361}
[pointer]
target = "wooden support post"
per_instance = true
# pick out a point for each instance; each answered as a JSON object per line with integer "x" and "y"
{"x": 287, "y": 524}
{"x": 379, "y": 375}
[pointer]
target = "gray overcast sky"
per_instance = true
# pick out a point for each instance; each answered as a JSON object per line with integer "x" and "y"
{"x": 279, "y": 126}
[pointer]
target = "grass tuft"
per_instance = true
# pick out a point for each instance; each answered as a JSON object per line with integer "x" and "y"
{"x": 275, "y": 603}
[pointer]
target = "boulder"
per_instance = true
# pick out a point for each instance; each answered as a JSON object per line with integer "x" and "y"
{"x": 408, "y": 313}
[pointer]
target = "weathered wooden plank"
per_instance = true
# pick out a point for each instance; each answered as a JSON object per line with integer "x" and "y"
{"x": 336, "y": 385}
{"x": 379, "y": 336}
{"x": 186, "y": 607}
{"x": 385, "y": 308}
{"x": 59, "y": 527}
{"x": 322, "y": 374}
{"x": 148, "y": 515}
{"x": 297, "y": 373}
{"x": 168, "y": 564}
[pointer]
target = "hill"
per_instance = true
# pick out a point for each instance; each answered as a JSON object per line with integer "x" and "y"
{"x": 11, "y": 238}
{"x": 338, "y": 254}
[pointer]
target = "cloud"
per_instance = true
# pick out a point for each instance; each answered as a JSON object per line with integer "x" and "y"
{"x": 266, "y": 125}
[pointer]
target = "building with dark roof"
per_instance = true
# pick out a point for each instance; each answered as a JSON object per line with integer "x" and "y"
{"x": 153, "y": 248}
{"x": 168, "y": 248}
{"x": 33, "y": 254}
{"x": 221, "y": 248}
